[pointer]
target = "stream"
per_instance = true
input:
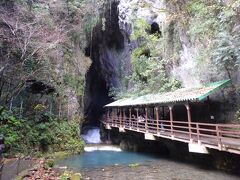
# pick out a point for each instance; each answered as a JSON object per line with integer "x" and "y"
{"x": 104, "y": 162}
{"x": 107, "y": 162}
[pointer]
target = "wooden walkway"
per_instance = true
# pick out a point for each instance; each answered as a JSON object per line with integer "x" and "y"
{"x": 223, "y": 137}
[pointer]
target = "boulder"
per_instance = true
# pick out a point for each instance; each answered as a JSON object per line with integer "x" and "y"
{"x": 76, "y": 176}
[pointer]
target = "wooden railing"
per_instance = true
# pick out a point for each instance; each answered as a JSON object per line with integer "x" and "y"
{"x": 224, "y": 137}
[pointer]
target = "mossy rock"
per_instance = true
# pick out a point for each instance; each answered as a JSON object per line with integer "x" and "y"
{"x": 76, "y": 176}
{"x": 50, "y": 163}
{"x": 134, "y": 165}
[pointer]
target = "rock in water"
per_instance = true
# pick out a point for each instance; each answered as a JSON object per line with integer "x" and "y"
{"x": 76, "y": 176}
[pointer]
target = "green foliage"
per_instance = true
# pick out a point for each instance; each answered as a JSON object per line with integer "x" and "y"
{"x": 75, "y": 82}
{"x": 208, "y": 18}
{"x": 9, "y": 127}
{"x": 69, "y": 134}
{"x": 205, "y": 19}
{"x": 49, "y": 163}
{"x": 238, "y": 115}
{"x": 66, "y": 175}
{"x": 213, "y": 29}
{"x": 149, "y": 68}
{"x": 29, "y": 136}
{"x": 226, "y": 52}
{"x": 140, "y": 29}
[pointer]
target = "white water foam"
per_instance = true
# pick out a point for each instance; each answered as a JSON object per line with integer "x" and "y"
{"x": 92, "y": 136}
{"x": 102, "y": 148}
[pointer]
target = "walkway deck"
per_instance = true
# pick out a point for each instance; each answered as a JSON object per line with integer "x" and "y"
{"x": 223, "y": 137}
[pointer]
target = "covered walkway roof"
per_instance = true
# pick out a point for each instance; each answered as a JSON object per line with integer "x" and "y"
{"x": 181, "y": 95}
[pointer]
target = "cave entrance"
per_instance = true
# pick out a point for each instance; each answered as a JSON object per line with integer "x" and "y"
{"x": 155, "y": 29}
{"x": 96, "y": 97}
{"x": 105, "y": 48}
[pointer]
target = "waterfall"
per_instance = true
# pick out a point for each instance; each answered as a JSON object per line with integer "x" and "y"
{"x": 92, "y": 136}
{"x": 102, "y": 148}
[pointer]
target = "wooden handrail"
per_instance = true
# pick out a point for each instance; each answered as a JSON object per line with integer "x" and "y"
{"x": 207, "y": 133}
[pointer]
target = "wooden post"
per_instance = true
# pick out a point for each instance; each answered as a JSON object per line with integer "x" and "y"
{"x": 198, "y": 134}
{"x": 114, "y": 116}
{"x": 163, "y": 112}
{"x": 171, "y": 119}
{"x": 120, "y": 117}
{"x": 208, "y": 109}
{"x": 157, "y": 118}
{"x": 189, "y": 121}
{"x": 124, "y": 117}
{"x": 111, "y": 117}
{"x": 146, "y": 119}
{"x": 218, "y": 138}
{"x": 108, "y": 116}
{"x": 130, "y": 117}
{"x": 137, "y": 118}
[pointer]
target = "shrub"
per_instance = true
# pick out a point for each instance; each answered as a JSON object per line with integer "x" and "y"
{"x": 29, "y": 136}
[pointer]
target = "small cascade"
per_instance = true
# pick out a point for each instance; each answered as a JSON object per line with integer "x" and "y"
{"x": 92, "y": 136}
{"x": 102, "y": 148}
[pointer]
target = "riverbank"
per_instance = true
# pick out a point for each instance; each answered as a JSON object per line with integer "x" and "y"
{"x": 39, "y": 171}
{"x": 33, "y": 167}
{"x": 14, "y": 166}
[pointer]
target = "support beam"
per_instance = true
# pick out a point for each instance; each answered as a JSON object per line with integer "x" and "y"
{"x": 130, "y": 117}
{"x": 149, "y": 136}
{"x": 121, "y": 129}
{"x": 120, "y": 118}
{"x": 124, "y": 117}
{"x": 137, "y": 119}
{"x": 197, "y": 148}
{"x": 171, "y": 119}
{"x": 146, "y": 119}
{"x": 157, "y": 118}
{"x": 108, "y": 115}
{"x": 163, "y": 112}
{"x": 189, "y": 120}
{"x": 108, "y": 126}
{"x": 115, "y": 116}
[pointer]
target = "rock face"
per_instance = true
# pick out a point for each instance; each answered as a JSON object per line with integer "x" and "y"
{"x": 109, "y": 50}
{"x": 148, "y": 10}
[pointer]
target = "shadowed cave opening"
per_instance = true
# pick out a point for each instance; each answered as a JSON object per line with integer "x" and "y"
{"x": 103, "y": 49}
{"x": 98, "y": 91}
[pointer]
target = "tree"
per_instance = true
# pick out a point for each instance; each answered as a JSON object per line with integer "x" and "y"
{"x": 226, "y": 53}
{"x": 26, "y": 41}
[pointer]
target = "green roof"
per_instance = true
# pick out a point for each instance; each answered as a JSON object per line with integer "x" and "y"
{"x": 180, "y": 95}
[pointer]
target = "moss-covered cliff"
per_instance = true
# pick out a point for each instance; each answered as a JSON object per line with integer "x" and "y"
{"x": 183, "y": 43}
{"x": 42, "y": 72}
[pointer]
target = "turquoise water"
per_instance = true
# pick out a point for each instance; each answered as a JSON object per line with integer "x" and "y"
{"x": 96, "y": 159}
